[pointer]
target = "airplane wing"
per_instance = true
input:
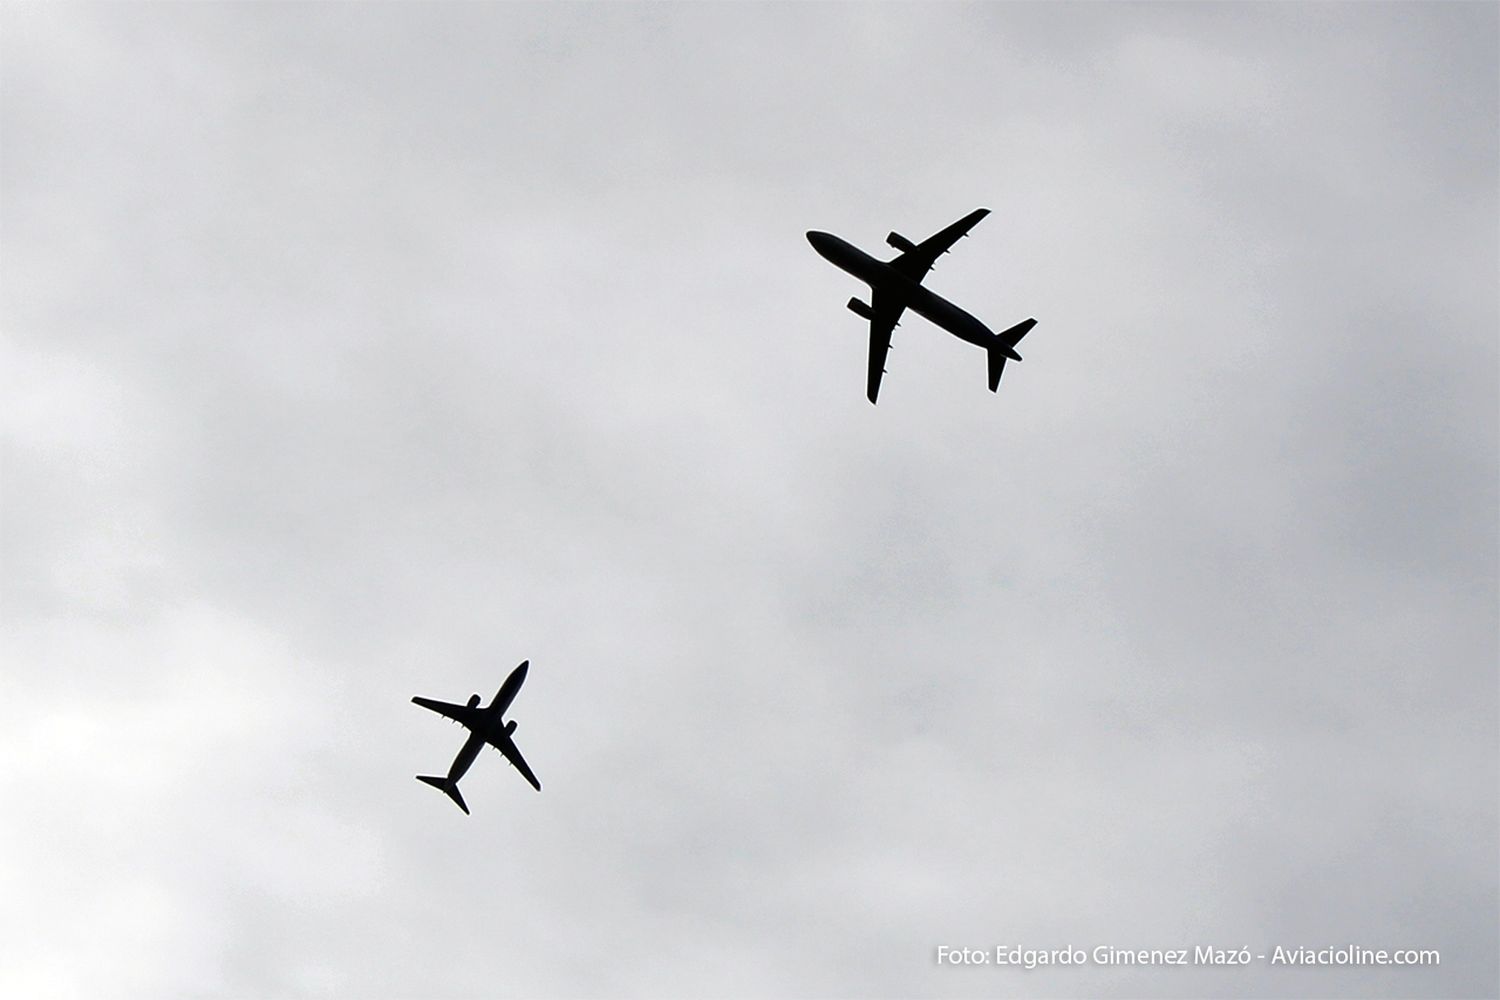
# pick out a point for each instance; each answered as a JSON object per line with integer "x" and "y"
{"x": 502, "y": 742}
{"x": 461, "y": 714}
{"x": 885, "y": 312}
{"x": 916, "y": 262}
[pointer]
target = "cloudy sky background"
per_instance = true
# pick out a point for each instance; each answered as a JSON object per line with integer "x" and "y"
{"x": 357, "y": 352}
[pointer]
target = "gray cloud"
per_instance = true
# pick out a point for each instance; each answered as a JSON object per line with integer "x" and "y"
{"x": 360, "y": 352}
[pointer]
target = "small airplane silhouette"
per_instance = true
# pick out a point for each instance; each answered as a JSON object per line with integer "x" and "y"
{"x": 896, "y": 286}
{"x": 485, "y": 726}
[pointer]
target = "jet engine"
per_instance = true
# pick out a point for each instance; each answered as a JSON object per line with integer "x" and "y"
{"x": 510, "y": 727}
{"x": 858, "y": 308}
{"x": 473, "y": 700}
{"x": 899, "y": 242}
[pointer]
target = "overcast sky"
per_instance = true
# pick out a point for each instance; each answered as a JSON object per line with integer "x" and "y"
{"x": 354, "y": 352}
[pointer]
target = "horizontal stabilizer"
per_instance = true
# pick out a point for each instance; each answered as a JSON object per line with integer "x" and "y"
{"x": 450, "y": 788}
{"x": 1013, "y": 336}
{"x": 1003, "y": 348}
{"x": 997, "y": 368}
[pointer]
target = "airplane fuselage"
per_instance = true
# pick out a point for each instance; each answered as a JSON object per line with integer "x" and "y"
{"x": 466, "y": 755}
{"x": 493, "y": 721}
{"x": 922, "y": 301}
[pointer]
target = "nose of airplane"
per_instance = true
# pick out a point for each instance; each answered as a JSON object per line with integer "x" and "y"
{"x": 820, "y": 241}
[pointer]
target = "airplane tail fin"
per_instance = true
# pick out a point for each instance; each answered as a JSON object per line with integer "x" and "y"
{"x": 450, "y": 788}
{"x": 1003, "y": 348}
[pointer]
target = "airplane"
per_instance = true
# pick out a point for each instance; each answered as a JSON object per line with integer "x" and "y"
{"x": 896, "y": 285}
{"x": 485, "y": 726}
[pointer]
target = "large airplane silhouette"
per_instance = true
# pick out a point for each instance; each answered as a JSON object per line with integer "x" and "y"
{"x": 485, "y": 726}
{"x": 896, "y": 286}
